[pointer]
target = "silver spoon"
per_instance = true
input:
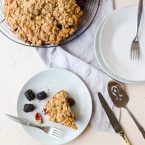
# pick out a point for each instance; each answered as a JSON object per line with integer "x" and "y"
{"x": 121, "y": 99}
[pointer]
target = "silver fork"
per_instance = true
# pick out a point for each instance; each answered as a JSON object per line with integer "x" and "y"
{"x": 53, "y": 132}
{"x": 135, "y": 46}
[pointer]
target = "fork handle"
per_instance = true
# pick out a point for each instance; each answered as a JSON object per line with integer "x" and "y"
{"x": 114, "y": 6}
{"x": 27, "y": 123}
{"x": 140, "y": 9}
{"x": 140, "y": 127}
{"x": 23, "y": 121}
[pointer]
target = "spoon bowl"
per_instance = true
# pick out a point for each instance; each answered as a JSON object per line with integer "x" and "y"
{"x": 117, "y": 94}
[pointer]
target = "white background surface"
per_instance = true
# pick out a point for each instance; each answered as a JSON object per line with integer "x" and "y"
{"x": 18, "y": 64}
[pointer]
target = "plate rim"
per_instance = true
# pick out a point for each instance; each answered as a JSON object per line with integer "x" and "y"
{"x": 84, "y": 85}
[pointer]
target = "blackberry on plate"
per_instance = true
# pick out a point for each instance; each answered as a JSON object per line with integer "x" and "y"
{"x": 41, "y": 95}
{"x": 71, "y": 101}
{"x": 29, "y": 95}
{"x": 28, "y": 108}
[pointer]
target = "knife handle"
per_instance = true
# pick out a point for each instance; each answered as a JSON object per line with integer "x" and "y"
{"x": 125, "y": 138}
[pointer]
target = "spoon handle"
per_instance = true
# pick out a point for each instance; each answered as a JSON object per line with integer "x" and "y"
{"x": 140, "y": 127}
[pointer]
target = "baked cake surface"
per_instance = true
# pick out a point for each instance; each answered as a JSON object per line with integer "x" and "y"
{"x": 58, "y": 110}
{"x": 40, "y": 22}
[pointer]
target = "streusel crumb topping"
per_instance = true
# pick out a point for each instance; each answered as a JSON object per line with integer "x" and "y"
{"x": 58, "y": 110}
{"x": 40, "y": 22}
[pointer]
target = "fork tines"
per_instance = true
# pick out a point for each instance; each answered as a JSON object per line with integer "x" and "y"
{"x": 135, "y": 50}
{"x": 54, "y": 132}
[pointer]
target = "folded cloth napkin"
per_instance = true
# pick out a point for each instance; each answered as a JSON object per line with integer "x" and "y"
{"x": 79, "y": 58}
{"x": 95, "y": 80}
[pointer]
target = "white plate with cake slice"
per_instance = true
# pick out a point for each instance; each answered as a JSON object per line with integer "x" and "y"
{"x": 52, "y": 81}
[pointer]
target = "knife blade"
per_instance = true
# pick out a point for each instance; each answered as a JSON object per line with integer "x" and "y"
{"x": 113, "y": 120}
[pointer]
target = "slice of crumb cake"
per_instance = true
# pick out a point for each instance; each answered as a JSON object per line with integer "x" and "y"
{"x": 58, "y": 110}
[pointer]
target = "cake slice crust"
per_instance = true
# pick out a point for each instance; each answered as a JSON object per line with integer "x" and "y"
{"x": 58, "y": 110}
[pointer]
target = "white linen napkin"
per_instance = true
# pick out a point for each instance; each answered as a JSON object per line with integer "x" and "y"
{"x": 95, "y": 80}
{"x": 79, "y": 58}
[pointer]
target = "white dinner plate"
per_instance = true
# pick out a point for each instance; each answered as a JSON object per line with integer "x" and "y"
{"x": 116, "y": 36}
{"x": 52, "y": 81}
{"x": 100, "y": 60}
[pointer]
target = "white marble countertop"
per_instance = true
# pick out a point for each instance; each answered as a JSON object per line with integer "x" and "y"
{"x": 17, "y": 64}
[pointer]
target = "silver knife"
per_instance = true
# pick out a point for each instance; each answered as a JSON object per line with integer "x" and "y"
{"x": 113, "y": 120}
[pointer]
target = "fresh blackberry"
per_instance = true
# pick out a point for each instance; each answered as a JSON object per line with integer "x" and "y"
{"x": 29, "y": 95}
{"x": 41, "y": 95}
{"x": 71, "y": 101}
{"x": 28, "y": 108}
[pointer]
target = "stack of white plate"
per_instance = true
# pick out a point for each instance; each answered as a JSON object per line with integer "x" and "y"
{"x": 113, "y": 42}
